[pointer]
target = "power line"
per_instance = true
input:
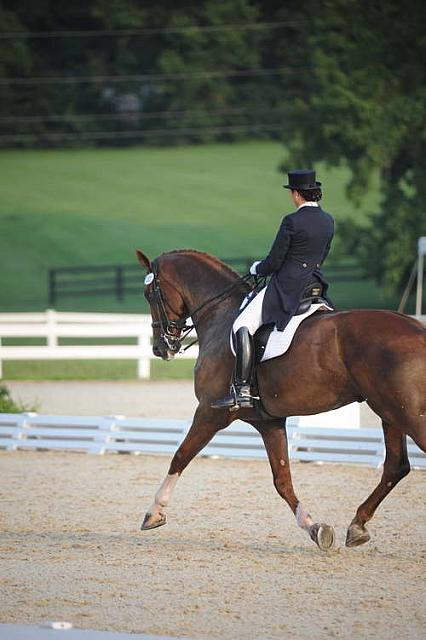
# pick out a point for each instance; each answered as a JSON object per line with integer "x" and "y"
{"x": 152, "y": 77}
{"x": 90, "y": 33}
{"x": 82, "y": 117}
{"x": 139, "y": 133}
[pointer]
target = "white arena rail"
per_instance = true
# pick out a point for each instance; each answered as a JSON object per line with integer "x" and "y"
{"x": 53, "y": 325}
{"x": 61, "y": 630}
{"x": 94, "y": 434}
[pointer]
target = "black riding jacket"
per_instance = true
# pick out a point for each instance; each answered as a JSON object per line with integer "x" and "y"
{"x": 298, "y": 251}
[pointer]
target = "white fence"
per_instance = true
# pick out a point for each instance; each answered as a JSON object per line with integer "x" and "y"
{"x": 61, "y": 630}
{"x": 53, "y": 325}
{"x": 95, "y": 434}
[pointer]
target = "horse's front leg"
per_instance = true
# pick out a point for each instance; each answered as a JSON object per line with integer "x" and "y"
{"x": 395, "y": 467}
{"x": 204, "y": 426}
{"x": 275, "y": 439}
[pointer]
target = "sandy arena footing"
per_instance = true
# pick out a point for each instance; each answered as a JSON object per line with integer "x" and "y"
{"x": 231, "y": 562}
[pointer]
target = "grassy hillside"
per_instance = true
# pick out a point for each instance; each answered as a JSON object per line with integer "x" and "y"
{"x": 79, "y": 207}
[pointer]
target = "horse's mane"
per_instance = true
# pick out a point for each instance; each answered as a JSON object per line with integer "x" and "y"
{"x": 206, "y": 256}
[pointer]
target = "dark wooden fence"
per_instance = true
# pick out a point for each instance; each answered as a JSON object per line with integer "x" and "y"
{"x": 118, "y": 280}
{"x": 121, "y": 280}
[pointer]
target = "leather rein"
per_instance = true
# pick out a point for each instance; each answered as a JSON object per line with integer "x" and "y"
{"x": 173, "y": 332}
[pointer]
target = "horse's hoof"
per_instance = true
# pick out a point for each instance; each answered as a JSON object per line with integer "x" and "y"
{"x": 153, "y": 521}
{"x": 356, "y": 535}
{"x": 324, "y": 536}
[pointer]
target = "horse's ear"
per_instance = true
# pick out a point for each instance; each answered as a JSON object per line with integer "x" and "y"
{"x": 145, "y": 262}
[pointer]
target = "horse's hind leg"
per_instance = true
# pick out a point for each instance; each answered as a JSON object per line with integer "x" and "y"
{"x": 275, "y": 439}
{"x": 204, "y": 426}
{"x": 395, "y": 467}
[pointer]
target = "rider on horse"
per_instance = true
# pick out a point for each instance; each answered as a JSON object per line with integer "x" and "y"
{"x": 300, "y": 247}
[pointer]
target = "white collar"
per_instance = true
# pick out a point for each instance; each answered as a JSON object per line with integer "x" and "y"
{"x": 308, "y": 204}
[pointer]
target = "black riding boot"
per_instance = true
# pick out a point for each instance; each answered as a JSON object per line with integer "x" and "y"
{"x": 240, "y": 396}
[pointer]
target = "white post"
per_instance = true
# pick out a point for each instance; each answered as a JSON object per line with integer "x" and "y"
{"x": 52, "y": 338}
{"x": 420, "y": 269}
{"x": 144, "y": 363}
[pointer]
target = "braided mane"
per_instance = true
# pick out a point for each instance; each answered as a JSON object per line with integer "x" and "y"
{"x": 221, "y": 265}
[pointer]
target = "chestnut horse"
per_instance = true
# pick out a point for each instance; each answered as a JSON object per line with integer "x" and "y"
{"x": 335, "y": 358}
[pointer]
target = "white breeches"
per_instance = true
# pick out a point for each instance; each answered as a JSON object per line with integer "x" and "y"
{"x": 251, "y": 316}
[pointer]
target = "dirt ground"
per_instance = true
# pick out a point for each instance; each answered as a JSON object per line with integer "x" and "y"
{"x": 174, "y": 399}
{"x": 154, "y": 399}
{"x": 230, "y": 563}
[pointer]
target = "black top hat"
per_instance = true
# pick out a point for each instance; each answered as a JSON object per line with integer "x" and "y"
{"x": 302, "y": 180}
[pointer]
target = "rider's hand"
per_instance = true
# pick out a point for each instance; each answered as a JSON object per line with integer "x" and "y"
{"x": 253, "y": 267}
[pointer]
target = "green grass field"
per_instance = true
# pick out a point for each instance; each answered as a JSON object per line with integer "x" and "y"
{"x": 91, "y": 207}
{"x": 90, "y": 369}
{"x": 83, "y": 207}
{"x": 94, "y": 370}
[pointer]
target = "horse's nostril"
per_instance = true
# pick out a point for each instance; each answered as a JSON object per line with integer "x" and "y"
{"x": 156, "y": 351}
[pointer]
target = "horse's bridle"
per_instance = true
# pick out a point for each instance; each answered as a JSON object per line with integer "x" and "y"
{"x": 173, "y": 332}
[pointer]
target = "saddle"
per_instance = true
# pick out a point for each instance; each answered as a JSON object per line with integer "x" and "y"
{"x": 313, "y": 294}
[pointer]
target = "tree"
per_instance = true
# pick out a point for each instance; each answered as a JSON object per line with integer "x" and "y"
{"x": 175, "y": 71}
{"x": 212, "y": 100}
{"x": 367, "y": 109}
{"x": 15, "y": 59}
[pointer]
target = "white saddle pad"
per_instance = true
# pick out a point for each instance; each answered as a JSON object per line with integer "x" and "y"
{"x": 279, "y": 341}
